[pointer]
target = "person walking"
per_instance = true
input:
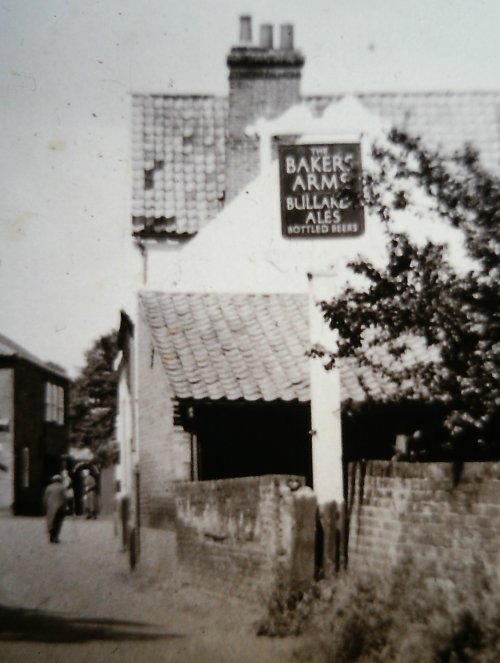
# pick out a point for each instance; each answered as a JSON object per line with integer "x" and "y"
{"x": 54, "y": 500}
{"x": 70, "y": 494}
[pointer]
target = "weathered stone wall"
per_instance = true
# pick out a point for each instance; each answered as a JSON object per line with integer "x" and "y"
{"x": 438, "y": 514}
{"x": 244, "y": 536}
{"x": 165, "y": 452}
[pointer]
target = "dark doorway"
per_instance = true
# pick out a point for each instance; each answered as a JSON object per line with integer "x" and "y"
{"x": 253, "y": 439}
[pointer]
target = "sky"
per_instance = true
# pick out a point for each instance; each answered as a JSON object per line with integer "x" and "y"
{"x": 67, "y": 264}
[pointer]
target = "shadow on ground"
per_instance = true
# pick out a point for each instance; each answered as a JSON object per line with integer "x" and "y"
{"x": 19, "y": 624}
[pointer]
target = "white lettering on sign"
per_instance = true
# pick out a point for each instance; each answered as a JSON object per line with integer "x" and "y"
{"x": 320, "y": 189}
{"x": 319, "y": 173}
{"x": 307, "y": 202}
{"x": 318, "y": 164}
{"x": 322, "y": 229}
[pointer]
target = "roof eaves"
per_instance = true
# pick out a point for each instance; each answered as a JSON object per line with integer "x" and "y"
{"x": 9, "y": 348}
{"x": 161, "y": 235}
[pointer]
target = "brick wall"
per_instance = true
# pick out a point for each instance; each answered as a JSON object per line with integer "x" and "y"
{"x": 7, "y": 438}
{"x": 265, "y": 96}
{"x": 164, "y": 449}
{"x": 241, "y": 536}
{"x": 262, "y": 84}
{"x": 444, "y": 516}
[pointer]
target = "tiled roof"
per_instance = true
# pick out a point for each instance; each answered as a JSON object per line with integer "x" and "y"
{"x": 179, "y": 147}
{"x": 246, "y": 347}
{"x": 178, "y": 163}
{"x": 445, "y": 120}
{"x": 10, "y": 349}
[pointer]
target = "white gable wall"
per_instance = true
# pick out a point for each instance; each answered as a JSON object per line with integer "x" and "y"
{"x": 243, "y": 250}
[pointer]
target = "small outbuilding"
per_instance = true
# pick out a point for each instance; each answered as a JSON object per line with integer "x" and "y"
{"x": 224, "y": 391}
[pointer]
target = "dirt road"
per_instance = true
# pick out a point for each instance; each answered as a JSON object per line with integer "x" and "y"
{"x": 78, "y": 602}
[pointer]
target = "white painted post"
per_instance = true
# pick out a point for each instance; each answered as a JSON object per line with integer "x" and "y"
{"x": 325, "y": 399}
{"x": 326, "y": 426}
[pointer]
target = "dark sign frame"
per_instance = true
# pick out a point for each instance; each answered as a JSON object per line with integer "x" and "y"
{"x": 320, "y": 189}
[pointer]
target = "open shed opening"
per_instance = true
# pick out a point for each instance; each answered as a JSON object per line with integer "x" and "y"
{"x": 252, "y": 439}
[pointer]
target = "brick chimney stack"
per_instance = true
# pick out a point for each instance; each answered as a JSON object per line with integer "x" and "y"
{"x": 263, "y": 82}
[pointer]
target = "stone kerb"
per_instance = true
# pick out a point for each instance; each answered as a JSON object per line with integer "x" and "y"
{"x": 244, "y": 536}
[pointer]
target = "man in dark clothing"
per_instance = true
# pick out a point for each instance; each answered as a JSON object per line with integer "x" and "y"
{"x": 54, "y": 500}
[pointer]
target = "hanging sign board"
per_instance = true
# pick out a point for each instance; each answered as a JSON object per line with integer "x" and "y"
{"x": 320, "y": 188}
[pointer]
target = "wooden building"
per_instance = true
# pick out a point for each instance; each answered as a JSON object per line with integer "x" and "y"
{"x": 33, "y": 426}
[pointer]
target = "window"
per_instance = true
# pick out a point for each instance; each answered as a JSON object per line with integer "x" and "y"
{"x": 25, "y": 467}
{"x": 60, "y": 405}
{"x": 54, "y": 403}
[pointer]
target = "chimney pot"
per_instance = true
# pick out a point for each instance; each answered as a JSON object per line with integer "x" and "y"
{"x": 286, "y": 37}
{"x": 245, "y": 29}
{"x": 266, "y": 36}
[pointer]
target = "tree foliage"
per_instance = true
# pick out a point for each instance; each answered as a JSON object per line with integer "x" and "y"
{"x": 419, "y": 292}
{"x": 94, "y": 401}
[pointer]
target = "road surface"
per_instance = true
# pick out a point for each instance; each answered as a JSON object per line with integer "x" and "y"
{"x": 78, "y": 602}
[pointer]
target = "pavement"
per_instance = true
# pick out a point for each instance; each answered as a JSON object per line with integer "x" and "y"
{"x": 78, "y": 601}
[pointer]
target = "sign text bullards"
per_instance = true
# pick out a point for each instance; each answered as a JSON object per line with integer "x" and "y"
{"x": 320, "y": 190}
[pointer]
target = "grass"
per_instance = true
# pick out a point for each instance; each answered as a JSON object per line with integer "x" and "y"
{"x": 410, "y": 617}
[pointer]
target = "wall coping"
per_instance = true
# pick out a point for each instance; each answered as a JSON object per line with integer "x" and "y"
{"x": 468, "y": 472}
{"x": 214, "y": 484}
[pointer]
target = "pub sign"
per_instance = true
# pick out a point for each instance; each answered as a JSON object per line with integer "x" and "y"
{"x": 320, "y": 188}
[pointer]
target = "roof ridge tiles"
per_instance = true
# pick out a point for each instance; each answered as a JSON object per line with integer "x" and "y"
{"x": 402, "y": 93}
{"x": 325, "y": 95}
{"x": 180, "y": 95}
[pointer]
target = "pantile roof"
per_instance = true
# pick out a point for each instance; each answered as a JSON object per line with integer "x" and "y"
{"x": 178, "y": 151}
{"x": 247, "y": 347}
{"x": 178, "y": 163}
{"x": 445, "y": 120}
{"x": 10, "y": 349}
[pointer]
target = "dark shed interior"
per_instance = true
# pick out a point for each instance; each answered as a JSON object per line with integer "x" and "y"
{"x": 236, "y": 439}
